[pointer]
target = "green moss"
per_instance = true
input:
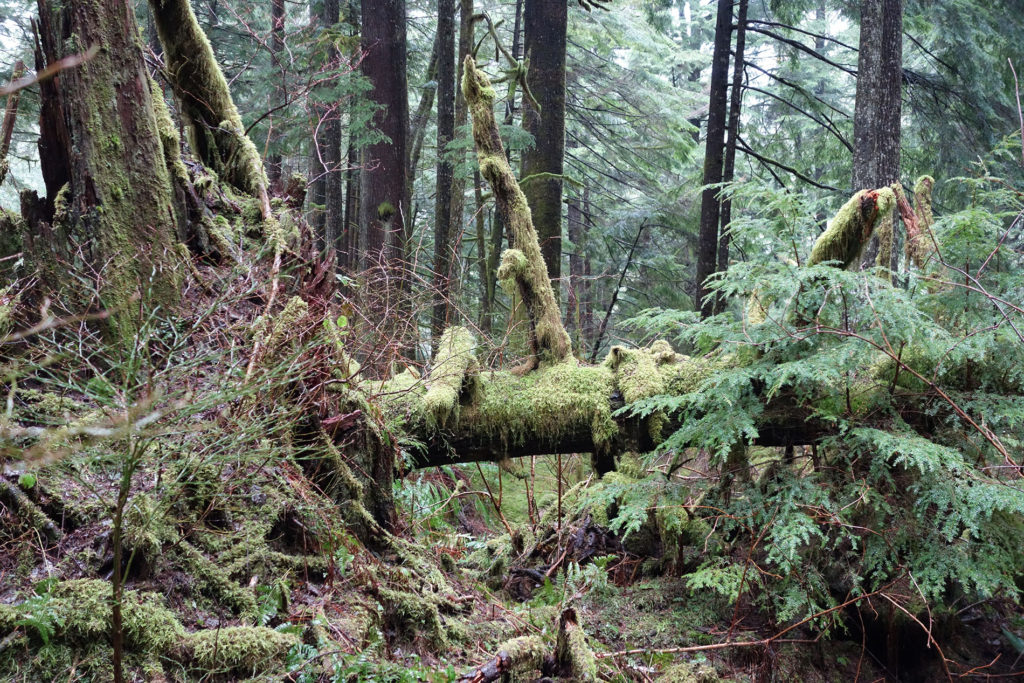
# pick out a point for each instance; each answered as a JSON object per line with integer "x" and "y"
{"x": 851, "y": 228}
{"x": 215, "y": 581}
{"x": 453, "y": 367}
{"x": 554, "y": 401}
{"x": 215, "y": 129}
{"x": 550, "y": 341}
{"x": 239, "y": 648}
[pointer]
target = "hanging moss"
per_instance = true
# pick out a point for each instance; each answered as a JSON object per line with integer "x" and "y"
{"x": 851, "y": 228}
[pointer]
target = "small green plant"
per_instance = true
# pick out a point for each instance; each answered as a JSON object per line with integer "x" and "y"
{"x": 37, "y": 614}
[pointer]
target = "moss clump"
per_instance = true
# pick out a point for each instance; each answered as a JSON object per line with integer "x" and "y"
{"x": 561, "y": 399}
{"x": 415, "y": 614}
{"x": 215, "y": 581}
{"x": 454, "y": 366}
{"x": 572, "y": 652}
{"x": 851, "y": 228}
{"x": 242, "y": 649}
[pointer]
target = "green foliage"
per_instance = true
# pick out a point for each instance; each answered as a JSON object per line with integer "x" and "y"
{"x": 922, "y": 387}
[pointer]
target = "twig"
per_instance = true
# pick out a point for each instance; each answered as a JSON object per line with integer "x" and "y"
{"x": 615, "y": 295}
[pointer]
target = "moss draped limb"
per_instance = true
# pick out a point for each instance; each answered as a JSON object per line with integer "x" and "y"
{"x": 548, "y": 339}
{"x": 215, "y": 129}
{"x": 454, "y": 365}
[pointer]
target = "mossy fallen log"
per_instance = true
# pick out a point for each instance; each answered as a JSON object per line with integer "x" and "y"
{"x": 567, "y": 407}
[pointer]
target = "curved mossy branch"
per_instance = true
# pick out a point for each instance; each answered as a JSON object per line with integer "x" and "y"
{"x": 523, "y": 266}
{"x": 215, "y": 129}
{"x": 851, "y": 228}
{"x": 454, "y": 366}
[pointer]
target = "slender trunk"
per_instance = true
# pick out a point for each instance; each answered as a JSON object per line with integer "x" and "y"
{"x": 278, "y": 93}
{"x": 445, "y": 134}
{"x": 334, "y": 200}
{"x": 587, "y": 328}
{"x": 349, "y": 256}
{"x": 483, "y": 262}
{"x": 876, "y": 119}
{"x": 461, "y": 116}
{"x": 10, "y": 115}
{"x": 707, "y": 241}
{"x": 728, "y": 171}
{"x": 545, "y": 23}
{"x": 573, "y": 319}
{"x": 418, "y": 125}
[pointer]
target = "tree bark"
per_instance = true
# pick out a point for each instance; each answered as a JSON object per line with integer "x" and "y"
{"x": 108, "y": 213}
{"x": 707, "y": 241}
{"x": 729, "y": 168}
{"x": 445, "y": 134}
{"x": 10, "y": 115}
{"x": 215, "y": 129}
{"x": 876, "y": 119}
{"x": 334, "y": 199}
{"x": 382, "y": 207}
{"x": 545, "y": 23}
{"x": 278, "y": 93}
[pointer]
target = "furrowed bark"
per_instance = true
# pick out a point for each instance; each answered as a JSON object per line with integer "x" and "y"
{"x": 108, "y": 211}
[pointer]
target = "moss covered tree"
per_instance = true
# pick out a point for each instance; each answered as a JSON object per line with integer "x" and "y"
{"x": 215, "y": 130}
{"x": 108, "y": 212}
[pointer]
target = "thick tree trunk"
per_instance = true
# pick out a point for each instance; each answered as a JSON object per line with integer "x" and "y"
{"x": 215, "y": 130}
{"x": 445, "y": 134}
{"x": 545, "y": 23}
{"x": 876, "y": 119}
{"x": 382, "y": 208}
{"x": 707, "y": 241}
{"x": 108, "y": 212}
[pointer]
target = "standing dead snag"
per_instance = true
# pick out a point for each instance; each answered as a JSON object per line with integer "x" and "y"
{"x": 215, "y": 129}
{"x": 522, "y": 266}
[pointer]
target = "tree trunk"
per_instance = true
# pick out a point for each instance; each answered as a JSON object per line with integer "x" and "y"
{"x": 334, "y": 199}
{"x": 876, "y": 119}
{"x": 461, "y": 111}
{"x": 382, "y": 208}
{"x": 10, "y": 116}
{"x": 707, "y": 241}
{"x": 215, "y": 129}
{"x": 445, "y": 134}
{"x": 728, "y": 171}
{"x": 349, "y": 255}
{"x": 278, "y": 93}
{"x": 545, "y": 23}
{"x": 108, "y": 211}
{"x": 573, "y": 310}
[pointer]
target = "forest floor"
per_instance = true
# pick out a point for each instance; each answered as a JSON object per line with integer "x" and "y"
{"x": 238, "y": 565}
